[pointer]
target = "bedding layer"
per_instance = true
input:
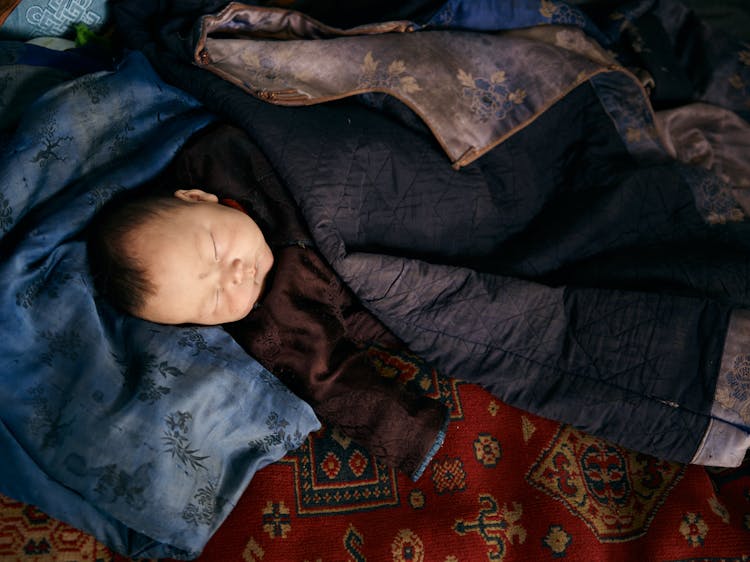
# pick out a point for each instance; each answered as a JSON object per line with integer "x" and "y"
{"x": 568, "y": 270}
{"x": 575, "y": 269}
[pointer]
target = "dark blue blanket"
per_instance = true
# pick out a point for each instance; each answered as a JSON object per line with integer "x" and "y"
{"x": 567, "y": 270}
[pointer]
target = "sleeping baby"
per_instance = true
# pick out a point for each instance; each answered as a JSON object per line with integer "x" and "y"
{"x": 235, "y": 253}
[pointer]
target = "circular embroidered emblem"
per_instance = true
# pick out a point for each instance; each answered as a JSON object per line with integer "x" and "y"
{"x": 694, "y": 529}
{"x": 487, "y": 450}
{"x": 407, "y": 547}
{"x": 557, "y": 540}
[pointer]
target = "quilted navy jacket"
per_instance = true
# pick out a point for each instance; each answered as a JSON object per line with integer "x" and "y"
{"x": 560, "y": 271}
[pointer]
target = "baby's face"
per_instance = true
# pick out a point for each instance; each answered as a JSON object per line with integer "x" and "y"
{"x": 207, "y": 262}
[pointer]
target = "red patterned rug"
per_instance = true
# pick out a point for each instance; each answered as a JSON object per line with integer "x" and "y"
{"x": 506, "y": 486}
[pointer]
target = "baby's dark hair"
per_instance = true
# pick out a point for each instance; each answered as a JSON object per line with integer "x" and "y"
{"x": 117, "y": 274}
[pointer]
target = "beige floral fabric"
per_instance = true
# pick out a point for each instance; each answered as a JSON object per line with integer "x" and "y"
{"x": 471, "y": 89}
{"x": 713, "y": 138}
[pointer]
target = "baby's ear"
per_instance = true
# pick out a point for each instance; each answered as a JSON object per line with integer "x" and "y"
{"x": 195, "y": 195}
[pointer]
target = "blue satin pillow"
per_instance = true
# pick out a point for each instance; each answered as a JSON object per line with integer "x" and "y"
{"x": 143, "y": 435}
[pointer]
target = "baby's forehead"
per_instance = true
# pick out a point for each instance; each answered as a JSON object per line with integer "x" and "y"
{"x": 166, "y": 210}
{"x": 171, "y": 205}
{"x": 169, "y": 218}
{"x": 155, "y": 226}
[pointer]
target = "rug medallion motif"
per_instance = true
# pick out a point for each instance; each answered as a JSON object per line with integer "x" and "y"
{"x": 616, "y": 492}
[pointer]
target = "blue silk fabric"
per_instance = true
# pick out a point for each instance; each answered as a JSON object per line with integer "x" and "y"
{"x": 143, "y": 435}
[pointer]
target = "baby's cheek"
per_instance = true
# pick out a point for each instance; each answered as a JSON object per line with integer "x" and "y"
{"x": 241, "y": 302}
{"x": 234, "y": 305}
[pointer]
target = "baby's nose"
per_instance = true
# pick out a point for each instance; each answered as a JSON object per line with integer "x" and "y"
{"x": 236, "y": 271}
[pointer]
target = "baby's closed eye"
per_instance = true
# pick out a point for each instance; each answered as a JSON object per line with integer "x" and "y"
{"x": 216, "y": 250}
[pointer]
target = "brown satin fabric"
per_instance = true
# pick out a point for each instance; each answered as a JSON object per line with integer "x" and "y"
{"x": 6, "y": 8}
{"x": 310, "y": 330}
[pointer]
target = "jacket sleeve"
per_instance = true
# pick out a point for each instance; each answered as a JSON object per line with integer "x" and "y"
{"x": 635, "y": 368}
